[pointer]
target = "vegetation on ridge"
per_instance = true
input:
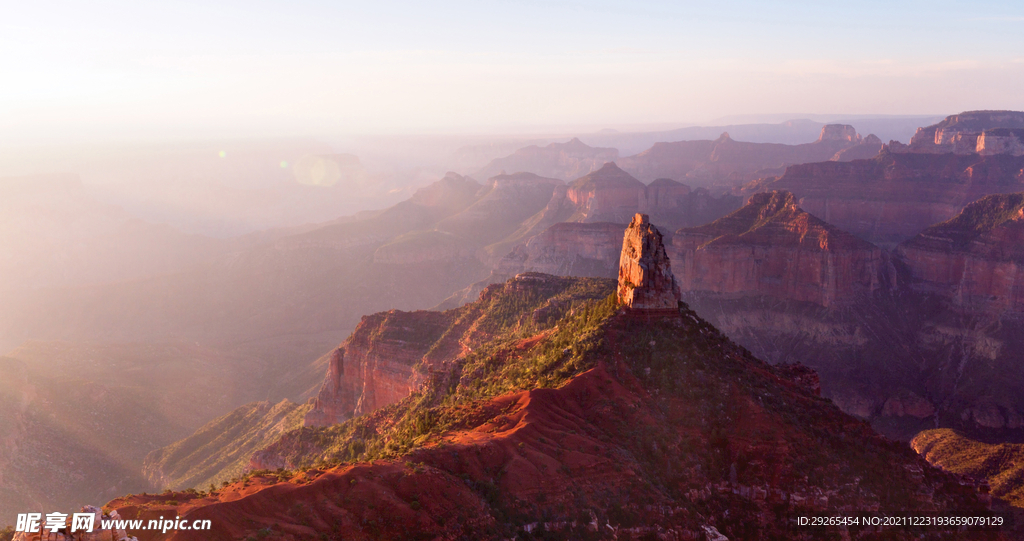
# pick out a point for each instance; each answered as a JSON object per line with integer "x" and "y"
{"x": 540, "y": 350}
{"x": 1000, "y": 464}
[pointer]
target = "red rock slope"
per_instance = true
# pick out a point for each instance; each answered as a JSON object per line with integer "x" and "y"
{"x": 583, "y": 422}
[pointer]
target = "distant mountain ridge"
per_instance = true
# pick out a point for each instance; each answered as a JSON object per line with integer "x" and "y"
{"x": 725, "y": 161}
{"x": 564, "y": 161}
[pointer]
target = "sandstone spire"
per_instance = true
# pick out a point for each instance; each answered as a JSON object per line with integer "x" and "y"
{"x": 645, "y": 279}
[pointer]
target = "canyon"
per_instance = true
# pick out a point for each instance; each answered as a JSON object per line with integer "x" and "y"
{"x": 891, "y": 274}
{"x": 577, "y": 418}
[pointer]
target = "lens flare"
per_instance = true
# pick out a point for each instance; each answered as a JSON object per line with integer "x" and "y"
{"x": 317, "y": 171}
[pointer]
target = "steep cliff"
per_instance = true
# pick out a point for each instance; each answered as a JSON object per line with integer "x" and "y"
{"x": 771, "y": 247}
{"x": 606, "y": 195}
{"x": 960, "y": 134}
{"x": 390, "y": 354}
{"x": 568, "y": 249}
{"x": 1001, "y": 141}
{"x": 501, "y": 207}
{"x": 975, "y": 258}
{"x": 588, "y": 423}
{"x": 374, "y": 366}
{"x": 868, "y": 148}
{"x": 893, "y": 197}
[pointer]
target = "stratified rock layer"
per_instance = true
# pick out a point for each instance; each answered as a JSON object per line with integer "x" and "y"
{"x": 962, "y": 133}
{"x": 772, "y": 247}
{"x": 976, "y": 259}
{"x": 390, "y": 354}
{"x": 374, "y": 367}
{"x": 893, "y": 196}
{"x": 645, "y": 276}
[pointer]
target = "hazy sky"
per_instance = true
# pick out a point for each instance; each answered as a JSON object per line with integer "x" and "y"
{"x": 101, "y": 69}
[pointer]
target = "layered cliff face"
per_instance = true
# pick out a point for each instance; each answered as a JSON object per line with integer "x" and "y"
{"x": 581, "y": 422}
{"x": 646, "y": 282}
{"x": 501, "y": 207}
{"x": 724, "y": 160}
{"x": 374, "y": 366}
{"x": 612, "y": 195}
{"x": 893, "y": 197}
{"x": 1001, "y": 141}
{"x": 606, "y": 195}
{"x": 962, "y": 133}
{"x": 976, "y": 258}
{"x": 868, "y": 148}
{"x": 390, "y": 354}
{"x": 568, "y": 249}
{"x": 772, "y": 247}
{"x": 564, "y": 161}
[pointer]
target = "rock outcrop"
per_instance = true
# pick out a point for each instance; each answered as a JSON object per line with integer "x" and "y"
{"x": 893, "y": 196}
{"x": 725, "y": 161}
{"x": 868, "y": 148}
{"x": 374, "y": 366}
{"x": 390, "y": 354}
{"x": 772, "y": 247}
{"x": 1001, "y": 141}
{"x": 963, "y": 134}
{"x": 646, "y": 282}
{"x": 568, "y": 249}
{"x": 976, "y": 259}
{"x": 606, "y": 195}
{"x": 997, "y": 467}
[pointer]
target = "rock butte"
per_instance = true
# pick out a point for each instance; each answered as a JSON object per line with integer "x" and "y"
{"x": 970, "y": 132}
{"x": 646, "y": 282}
{"x": 772, "y": 247}
{"x": 976, "y": 259}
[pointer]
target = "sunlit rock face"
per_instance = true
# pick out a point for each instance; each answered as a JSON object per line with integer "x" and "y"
{"x": 962, "y": 133}
{"x": 1001, "y": 141}
{"x": 568, "y": 249}
{"x": 896, "y": 195}
{"x": 374, "y": 367}
{"x": 645, "y": 276}
{"x": 772, "y": 247}
{"x": 606, "y": 195}
{"x": 976, "y": 259}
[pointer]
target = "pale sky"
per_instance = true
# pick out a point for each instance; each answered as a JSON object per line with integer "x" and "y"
{"x": 123, "y": 69}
